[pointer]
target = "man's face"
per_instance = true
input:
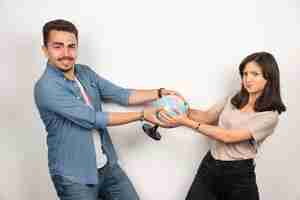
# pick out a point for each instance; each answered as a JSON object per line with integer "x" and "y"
{"x": 61, "y": 50}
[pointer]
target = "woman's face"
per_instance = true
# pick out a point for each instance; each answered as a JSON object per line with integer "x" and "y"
{"x": 253, "y": 79}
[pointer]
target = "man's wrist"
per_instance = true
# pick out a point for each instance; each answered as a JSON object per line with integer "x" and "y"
{"x": 160, "y": 92}
{"x": 142, "y": 116}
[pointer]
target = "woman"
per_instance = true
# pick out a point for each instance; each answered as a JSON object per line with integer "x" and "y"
{"x": 245, "y": 120}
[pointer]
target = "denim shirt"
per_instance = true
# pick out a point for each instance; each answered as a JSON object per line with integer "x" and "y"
{"x": 69, "y": 121}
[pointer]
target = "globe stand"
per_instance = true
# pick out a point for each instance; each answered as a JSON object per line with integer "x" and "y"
{"x": 151, "y": 131}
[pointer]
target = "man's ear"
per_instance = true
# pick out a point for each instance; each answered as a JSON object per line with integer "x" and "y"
{"x": 45, "y": 50}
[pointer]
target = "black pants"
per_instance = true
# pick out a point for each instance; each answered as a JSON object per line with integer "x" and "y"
{"x": 224, "y": 180}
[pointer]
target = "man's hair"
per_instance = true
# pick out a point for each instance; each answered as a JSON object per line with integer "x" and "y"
{"x": 58, "y": 25}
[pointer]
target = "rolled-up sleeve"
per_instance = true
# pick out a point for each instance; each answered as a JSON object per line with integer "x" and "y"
{"x": 112, "y": 92}
{"x": 101, "y": 119}
{"x": 55, "y": 98}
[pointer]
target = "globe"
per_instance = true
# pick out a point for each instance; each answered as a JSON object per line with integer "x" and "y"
{"x": 172, "y": 104}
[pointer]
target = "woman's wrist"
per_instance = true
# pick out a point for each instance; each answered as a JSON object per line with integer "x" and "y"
{"x": 185, "y": 121}
{"x": 198, "y": 124}
{"x": 192, "y": 124}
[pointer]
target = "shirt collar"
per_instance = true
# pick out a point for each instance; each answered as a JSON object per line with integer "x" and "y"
{"x": 52, "y": 69}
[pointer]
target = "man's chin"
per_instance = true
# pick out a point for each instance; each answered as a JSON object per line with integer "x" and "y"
{"x": 66, "y": 68}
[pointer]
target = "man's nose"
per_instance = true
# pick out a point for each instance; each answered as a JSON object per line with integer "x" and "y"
{"x": 66, "y": 52}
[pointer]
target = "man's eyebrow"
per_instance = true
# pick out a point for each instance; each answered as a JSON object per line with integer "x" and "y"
{"x": 73, "y": 44}
{"x": 58, "y": 43}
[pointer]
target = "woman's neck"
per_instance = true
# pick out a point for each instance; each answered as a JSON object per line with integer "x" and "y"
{"x": 252, "y": 98}
{"x": 251, "y": 102}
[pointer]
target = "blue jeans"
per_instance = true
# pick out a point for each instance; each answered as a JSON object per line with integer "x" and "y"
{"x": 113, "y": 184}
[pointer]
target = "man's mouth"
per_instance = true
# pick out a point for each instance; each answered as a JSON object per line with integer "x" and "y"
{"x": 66, "y": 59}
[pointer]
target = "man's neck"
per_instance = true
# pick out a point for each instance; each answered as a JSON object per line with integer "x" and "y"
{"x": 70, "y": 75}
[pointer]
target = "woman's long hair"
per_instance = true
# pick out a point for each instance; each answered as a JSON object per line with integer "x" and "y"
{"x": 270, "y": 99}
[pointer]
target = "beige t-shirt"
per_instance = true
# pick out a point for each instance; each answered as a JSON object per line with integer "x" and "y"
{"x": 260, "y": 124}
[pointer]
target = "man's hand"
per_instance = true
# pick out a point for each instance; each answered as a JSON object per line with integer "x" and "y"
{"x": 165, "y": 92}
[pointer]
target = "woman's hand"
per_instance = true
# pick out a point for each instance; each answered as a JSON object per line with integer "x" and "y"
{"x": 177, "y": 120}
{"x": 150, "y": 115}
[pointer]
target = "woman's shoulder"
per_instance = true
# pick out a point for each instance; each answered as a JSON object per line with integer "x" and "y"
{"x": 274, "y": 115}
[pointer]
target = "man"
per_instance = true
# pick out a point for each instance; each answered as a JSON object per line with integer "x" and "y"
{"x": 82, "y": 160}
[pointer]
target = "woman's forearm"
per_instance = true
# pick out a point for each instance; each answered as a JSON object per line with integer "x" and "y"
{"x": 218, "y": 133}
{"x": 203, "y": 117}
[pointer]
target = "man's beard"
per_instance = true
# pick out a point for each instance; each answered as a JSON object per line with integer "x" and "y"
{"x": 67, "y": 70}
{"x": 66, "y": 58}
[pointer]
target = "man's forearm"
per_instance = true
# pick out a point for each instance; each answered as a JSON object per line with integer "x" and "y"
{"x": 142, "y": 96}
{"x": 119, "y": 118}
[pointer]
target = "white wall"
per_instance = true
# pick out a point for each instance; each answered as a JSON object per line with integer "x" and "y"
{"x": 191, "y": 46}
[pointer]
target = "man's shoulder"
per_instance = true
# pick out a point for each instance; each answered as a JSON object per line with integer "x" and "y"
{"x": 86, "y": 71}
{"x": 84, "y": 68}
{"x": 48, "y": 83}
